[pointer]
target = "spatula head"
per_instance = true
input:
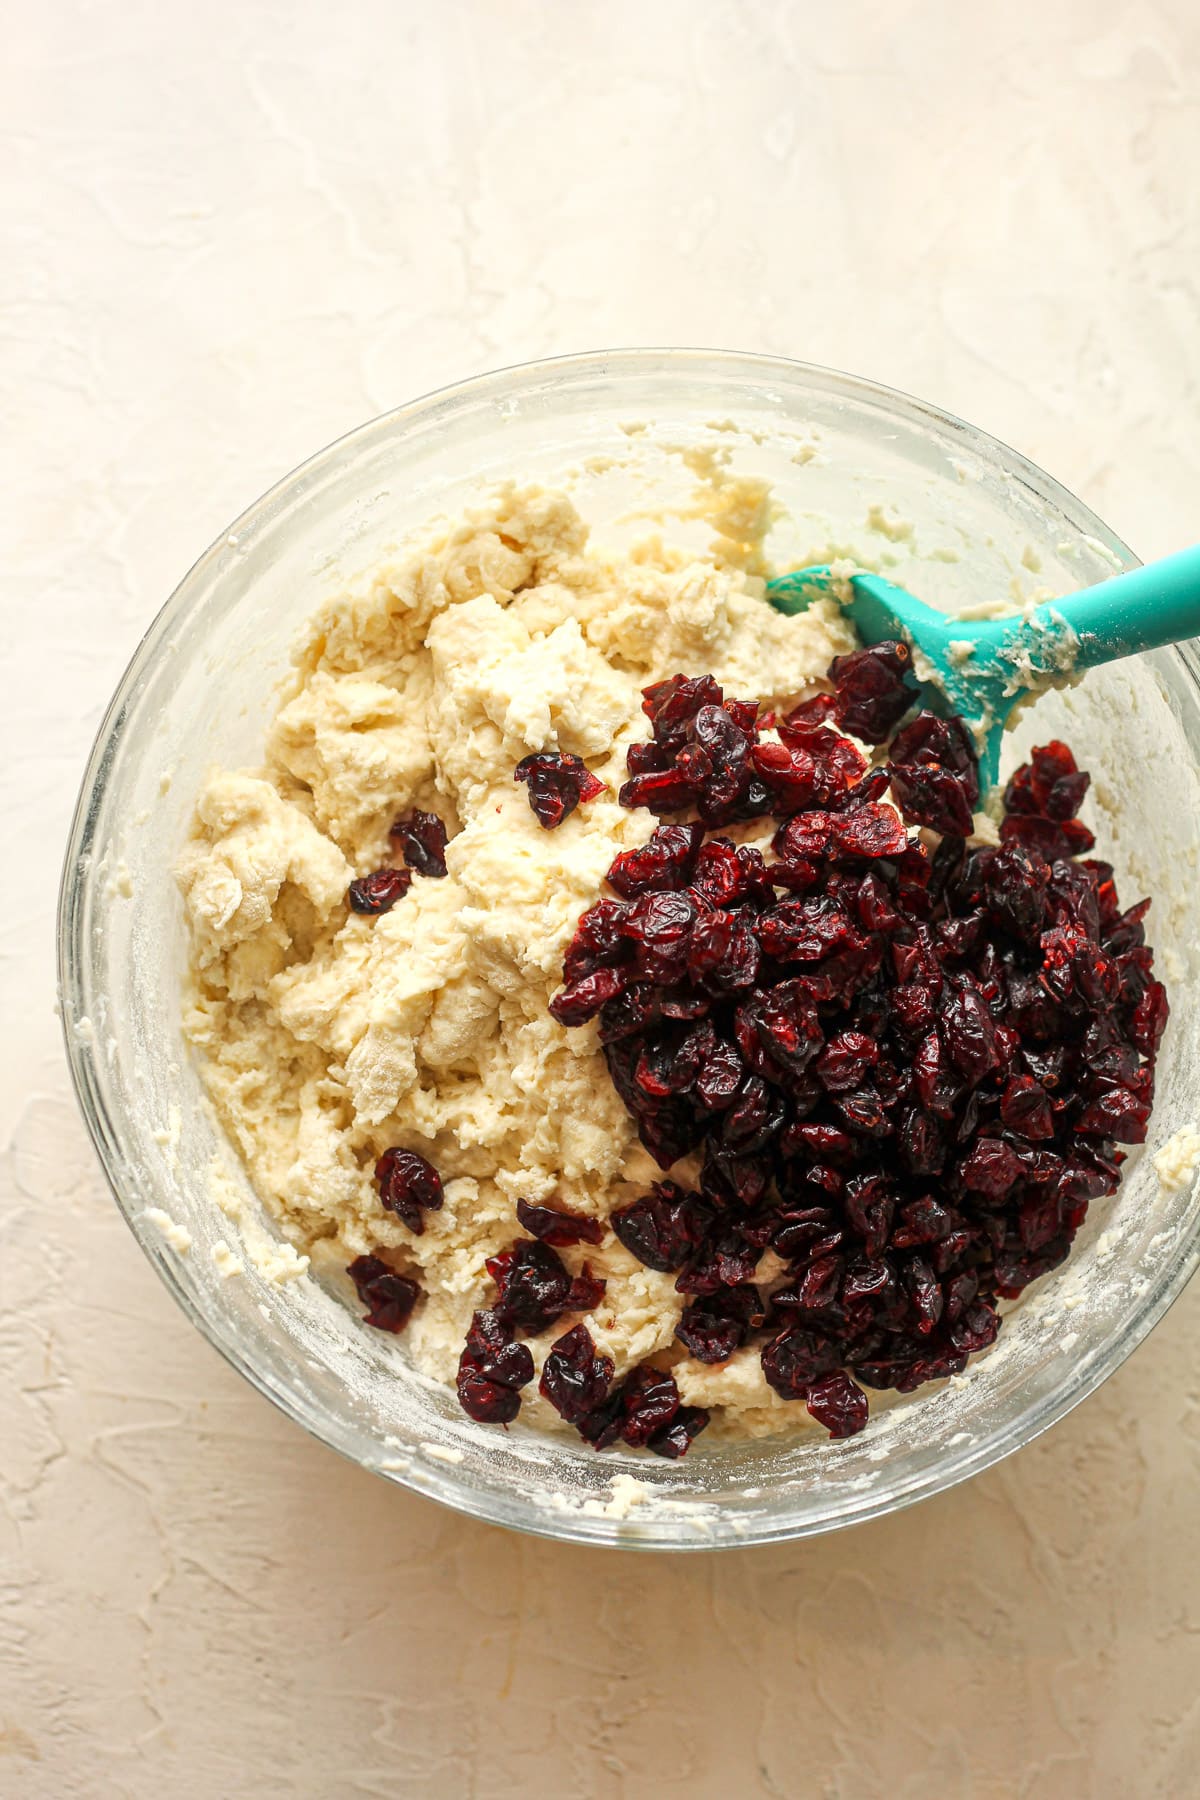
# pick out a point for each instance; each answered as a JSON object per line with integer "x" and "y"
{"x": 952, "y": 660}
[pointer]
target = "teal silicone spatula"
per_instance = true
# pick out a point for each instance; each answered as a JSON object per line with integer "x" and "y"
{"x": 982, "y": 669}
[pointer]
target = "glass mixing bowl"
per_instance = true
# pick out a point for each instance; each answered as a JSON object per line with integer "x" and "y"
{"x": 964, "y": 518}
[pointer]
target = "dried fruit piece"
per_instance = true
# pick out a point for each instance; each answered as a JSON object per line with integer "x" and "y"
{"x": 586, "y": 1291}
{"x": 671, "y": 705}
{"x": 934, "y": 774}
{"x": 409, "y": 1186}
{"x": 557, "y": 1227}
{"x": 716, "y": 1325}
{"x": 723, "y": 953}
{"x": 1025, "y": 1108}
{"x": 665, "y": 861}
{"x": 649, "y": 1401}
{"x": 659, "y": 928}
{"x": 993, "y": 1168}
{"x": 534, "y": 1286}
{"x": 665, "y": 1227}
{"x": 837, "y": 1403}
{"x": 422, "y": 838}
{"x": 492, "y": 1369}
{"x": 1050, "y": 783}
{"x": 379, "y": 892}
{"x": 873, "y": 690}
{"x": 599, "y": 941}
{"x": 675, "y": 1439}
{"x": 575, "y": 1378}
{"x": 796, "y": 1359}
{"x": 725, "y": 874}
{"x": 557, "y": 782}
{"x": 1150, "y": 1018}
{"x": 582, "y": 1000}
{"x": 807, "y": 930}
{"x": 388, "y": 1297}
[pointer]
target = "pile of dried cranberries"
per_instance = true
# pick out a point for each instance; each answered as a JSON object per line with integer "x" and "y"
{"x": 905, "y": 1069}
{"x": 905, "y": 1061}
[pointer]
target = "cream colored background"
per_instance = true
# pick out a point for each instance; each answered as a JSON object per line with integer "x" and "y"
{"x": 240, "y": 229}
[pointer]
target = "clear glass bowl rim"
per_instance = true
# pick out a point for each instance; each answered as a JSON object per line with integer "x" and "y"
{"x": 502, "y": 1506}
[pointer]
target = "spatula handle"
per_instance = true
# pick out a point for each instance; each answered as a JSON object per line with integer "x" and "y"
{"x": 1140, "y": 610}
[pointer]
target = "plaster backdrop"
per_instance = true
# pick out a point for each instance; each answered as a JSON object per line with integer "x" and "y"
{"x": 236, "y": 231}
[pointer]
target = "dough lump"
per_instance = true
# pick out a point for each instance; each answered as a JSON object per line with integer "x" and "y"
{"x": 324, "y": 1036}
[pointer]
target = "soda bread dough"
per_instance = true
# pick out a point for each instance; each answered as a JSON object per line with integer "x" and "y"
{"x": 324, "y": 1036}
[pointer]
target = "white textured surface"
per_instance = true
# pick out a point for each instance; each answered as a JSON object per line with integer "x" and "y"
{"x": 240, "y": 230}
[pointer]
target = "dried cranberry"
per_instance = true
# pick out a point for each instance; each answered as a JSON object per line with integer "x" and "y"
{"x": 1072, "y": 964}
{"x": 581, "y": 1000}
{"x": 1126, "y": 931}
{"x": 726, "y": 873}
{"x": 575, "y": 1378}
{"x": 717, "y": 737}
{"x": 659, "y": 927}
{"x": 796, "y": 1359}
{"x": 1150, "y": 1018}
{"x": 873, "y": 690}
{"x": 557, "y": 1227}
{"x": 1051, "y": 838}
{"x": 670, "y": 1130}
{"x": 1116, "y": 1113}
{"x": 790, "y": 775}
{"x": 727, "y": 1178}
{"x": 649, "y": 1401}
{"x": 492, "y": 1347}
{"x": 719, "y": 1077}
{"x": 409, "y": 1186}
{"x": 925, "y": 1295}
{"x": 671, "y": 791}
{"x": 491, "y": 1370}
{"x": 837, "y": 1403}
{"x": 671, "y": 705}
{"x": 534, "y": 1287}
{"x": 1050, "y": 783}
{"x": 870, "y": 1208}
{"x": 586, "y": 1291}
{"x": 1014, "y": 887}
{"x": 557, "y": 783}
{"x": 814, "y": 711}
{"x": 422, "y": 837}
{"x": 598, "y": 942}
{"x": 378, "y": 893}
{"x": 723, "y": 953}
{"x": 388, "y": 1297}
{"x": 665, "y": 861}
{"x": 806, "y": 930}
{"x": 716, "y": 1325}
{"x": 1025, "y": 1108}
{"x": 675, "y": 1439}
{"x": 727, "y": 1259}
{"x": 602, "y": 1426}
{"x": 815, "y": 1293}
{"x": 993, "y": 1168}
{"x": 845, "y": 1060}
{"x": 839, "y": 765}
{"x": 970, "y": 1034}
{"x": 785, "y": 1022}
{"x": 934, "y": 774}
{"x": 665, "y": 1227}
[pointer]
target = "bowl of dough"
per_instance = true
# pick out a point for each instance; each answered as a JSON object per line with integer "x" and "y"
{"x": 574, "y": 1036}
